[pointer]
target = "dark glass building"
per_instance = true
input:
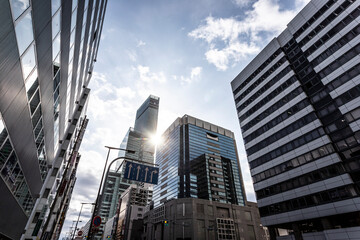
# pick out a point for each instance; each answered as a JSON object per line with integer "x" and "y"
{"x": 198, "y": 159}
{"x": 298, "y": 104}
{"x": 47, "y": 52}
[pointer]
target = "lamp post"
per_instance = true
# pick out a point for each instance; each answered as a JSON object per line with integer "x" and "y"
{"x": 90, "y": 234}
{"x": 82, "y": 204}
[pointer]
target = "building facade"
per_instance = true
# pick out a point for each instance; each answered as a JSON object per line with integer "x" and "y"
{"x": 200, "y": 219}
{"x": 198, "y": 159}
{"x": 47, "y": 51}
{"x": 298, "y": 107}
{"x": 132, "y": 207}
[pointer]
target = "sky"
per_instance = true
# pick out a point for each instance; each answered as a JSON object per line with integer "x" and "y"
{"x": 186, "y": 52}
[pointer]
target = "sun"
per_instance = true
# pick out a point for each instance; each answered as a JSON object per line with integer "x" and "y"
{"x": 156, "y": 139}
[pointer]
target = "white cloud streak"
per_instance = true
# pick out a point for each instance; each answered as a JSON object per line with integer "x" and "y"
{"x": 229, "y": 39}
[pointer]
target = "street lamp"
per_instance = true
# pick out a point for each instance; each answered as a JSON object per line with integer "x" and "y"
{"x": 82, "y": 204}
{"x": 90, "y": 234}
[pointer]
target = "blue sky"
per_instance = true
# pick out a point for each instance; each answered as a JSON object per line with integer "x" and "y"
{"x": 186, "y": 52}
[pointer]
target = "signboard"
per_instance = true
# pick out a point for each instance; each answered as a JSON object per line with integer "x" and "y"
{"x": 141, "y": 173}
{"x": 97, "y": 221}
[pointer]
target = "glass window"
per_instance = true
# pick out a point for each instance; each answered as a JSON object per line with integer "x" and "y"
{"x": 30, "y": 80}
{"x": 24, "y": 32}
{"x": 18, "y": 7}
{"x": 55, "y": 4}
{"x": 73, "y": 19}
{"x": 56, "y": 24}
{"x": 56, "y": 46}
{"x": 28, "y": 61}
{"x": 75, "y": 3}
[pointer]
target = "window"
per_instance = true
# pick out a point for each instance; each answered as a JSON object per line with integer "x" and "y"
{"x": 212, "y": 136}
{"x": 18, "y": 7}
{"x": 24, "y": 32}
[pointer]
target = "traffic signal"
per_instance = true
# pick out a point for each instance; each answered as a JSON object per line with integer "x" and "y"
{"x": 166, "y": 223}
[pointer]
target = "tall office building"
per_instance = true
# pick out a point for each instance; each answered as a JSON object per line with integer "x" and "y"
{"x": 47, "y": 51}
{"x": 198, "y": 159}
{"x": 140, "y": 147}
{"x": 298, "y": 105}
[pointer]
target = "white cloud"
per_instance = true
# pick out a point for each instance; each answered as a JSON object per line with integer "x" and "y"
{"x": 240, "y": 38}
{"x": 150, "y": 77}
{"x": 194, "y": 75}
{"x": 132, "y": 55}
{"x": 141, "y": 43}
{"x": 241, "y": 3}
{"x": 195, "y": 72}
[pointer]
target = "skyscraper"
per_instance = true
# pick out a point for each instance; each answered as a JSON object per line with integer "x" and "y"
{"x": 198, "y": 159}
{"x": 47, "y": 51}
{"x": 138, "y": 141}
{"x": 298, "y": 107}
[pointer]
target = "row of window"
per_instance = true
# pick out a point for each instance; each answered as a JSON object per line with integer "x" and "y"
{"x": 337, "y": 45}
{"x": 333, "y": 31}
{"x": 316, "y": 16}
{"x": 331, "y": 195}
{"x": 348, "y": 142}
{"x": 283, "y": 132}
{"x": 263, "y": 89}
{"x": 290, "y": 96}
{"x": 340, "y": 61}
{"x": 348, "y": 95}
{"x": 306, "y": 138}
{"x": 262, "y": 78}
{"x": 269, "y": 125}
{"x": 276, "y": 92}
{"x": 11, "y": 172}
{"x": 294, "y": 163}
{"x": 326, "y": 21}
{"x": 303, "y": 180}
{"x": 344, "y": 78}
{"x": 257, "y": 71}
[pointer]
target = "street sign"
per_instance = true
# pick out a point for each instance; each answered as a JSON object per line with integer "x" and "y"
{"x": 97, "y": 221}
{"x": 141, "y": 172}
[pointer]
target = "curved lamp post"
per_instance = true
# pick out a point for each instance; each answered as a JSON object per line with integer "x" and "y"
{"x": 90, "y": 234}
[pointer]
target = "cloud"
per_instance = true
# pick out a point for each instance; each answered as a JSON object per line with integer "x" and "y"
{"x": 195, "y": 72}
{"x": 230, "y": 40}
{"x": 141, "y": 43}
{"x": 132, "y": 55}
{"x": 150, "y": 77}
{"x": 241, "y": 3}
{"x": 194, "y": 75}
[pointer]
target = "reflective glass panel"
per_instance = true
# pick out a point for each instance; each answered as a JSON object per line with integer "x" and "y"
{"x": 75, "y": 3}
{"x": 72, "y": 37}
{"x": 56, "y": 24}
{"x": 28, "y": 61}
{"x": 18, "y": 7}
{"x": 73, "y": 19}
{"x": 55, "y": 4}
{"x": 24, "y": 32}
{"x": 30, "y": 80}
{"x": 56, "y": 46}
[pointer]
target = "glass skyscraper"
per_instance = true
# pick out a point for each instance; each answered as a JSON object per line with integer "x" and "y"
{"x": 47, "y": 52}
{"x": 138, "y": 141}
{"x": 198, "y": 159}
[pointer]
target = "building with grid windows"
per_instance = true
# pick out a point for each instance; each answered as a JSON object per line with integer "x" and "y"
{"x": 47, "y": 51}
{"x": 298, "y": 105}
{"x": 198, "y": 159}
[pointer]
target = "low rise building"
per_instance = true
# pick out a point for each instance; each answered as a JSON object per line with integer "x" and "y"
{"x": 191, "y": 218}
